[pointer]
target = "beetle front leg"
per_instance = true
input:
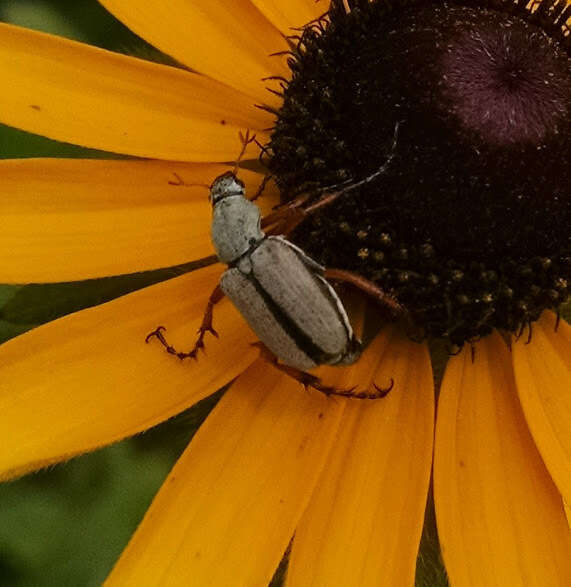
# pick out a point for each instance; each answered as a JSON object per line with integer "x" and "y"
{"x": 285, "y": 219}
{"x": 261, "y": 187}
{"x": 308, "y": 380}
{"x": 290, "y": 215}
{"x": 206, "y": 326}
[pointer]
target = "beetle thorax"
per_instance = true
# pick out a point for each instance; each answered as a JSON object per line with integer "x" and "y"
{"x": 235, "y": 227}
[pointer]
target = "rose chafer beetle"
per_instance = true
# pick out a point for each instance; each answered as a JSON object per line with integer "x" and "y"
{"x": 281, "y": 292}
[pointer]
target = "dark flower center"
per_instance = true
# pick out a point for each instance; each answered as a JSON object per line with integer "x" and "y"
{"x": 469, "y": 225}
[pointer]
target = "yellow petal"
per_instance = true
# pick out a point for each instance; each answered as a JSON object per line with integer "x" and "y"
{"x": 364, "y": 521}
{"x": 227, "y": 511}
{"x": 80, "y": 94}
{"x": 500, "y": 517}
{"x": 69, "y": 219}
{"x": 231, "y": 44}
{"x": 543, "y": 376}
{"x": 89, "y": 379}
{"x": 289, "y": 14}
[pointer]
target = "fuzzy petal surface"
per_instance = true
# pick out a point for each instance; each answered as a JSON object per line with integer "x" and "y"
{"x": 89, "y": 379}
{"x": 364, "y": 521}
{"x": 500, "y": 517}
{"x": 79, "y": 94}
{"x": 543, "y": 375}
{"x": 231, "y": 43}
{"x": 71, "y": 219}
{"x": 227, "y": 511}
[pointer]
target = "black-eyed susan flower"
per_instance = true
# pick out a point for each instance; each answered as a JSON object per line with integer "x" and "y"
{"x": 468, "y": 227}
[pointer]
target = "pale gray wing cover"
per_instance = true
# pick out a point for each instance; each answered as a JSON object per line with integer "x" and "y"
{"x": 303, "y": 295}
{"x": 252, "y": 306}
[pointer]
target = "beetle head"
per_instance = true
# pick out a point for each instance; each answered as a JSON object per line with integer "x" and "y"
{"x": 226, "y": 185}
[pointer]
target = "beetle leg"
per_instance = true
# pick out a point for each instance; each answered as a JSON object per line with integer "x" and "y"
{"x": 388, "y": 302}
{"x": 178, "y": 179}
{"x": 290, "y": 215}
{"x": 308, "y": 380}
{"x": 378, "y": 394}
{"x": 261, "y": 187}
{"x": 286, "y": 217}
{"x": 206, "y": 326}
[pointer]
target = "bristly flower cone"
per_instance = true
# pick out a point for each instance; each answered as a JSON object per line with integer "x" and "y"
{"x": 469, "y": 225}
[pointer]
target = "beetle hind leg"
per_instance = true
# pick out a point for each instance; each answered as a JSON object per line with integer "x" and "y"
{"x": 379, "y": 392}
{"x": 350, "y": 393}
{"x": 312, "y": 381}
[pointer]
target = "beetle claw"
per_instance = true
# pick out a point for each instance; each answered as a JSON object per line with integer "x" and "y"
{"x": 352, "y": 394}
{"x": 192, "y": 354}
{"x": 383, "y": 391}
{"x": 156, "y": 332}
{"x": 308, "y": 380}
{"x": 204, "y": 329}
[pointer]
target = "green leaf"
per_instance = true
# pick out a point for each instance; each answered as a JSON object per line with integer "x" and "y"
{"x": 39, "y": 303}
{"x": 66, "y": 526}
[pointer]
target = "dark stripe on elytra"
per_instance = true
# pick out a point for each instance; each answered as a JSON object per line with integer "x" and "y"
{"x": 302, "y": 339}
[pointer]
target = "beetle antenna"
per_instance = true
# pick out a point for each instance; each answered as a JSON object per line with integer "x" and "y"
{"x": 245, "y": 140}
{"x": 382, "y": 168}
{"x": 345, "y": 187}
{"x": 178, "y": 181}
{"x": 350, "y": 184}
